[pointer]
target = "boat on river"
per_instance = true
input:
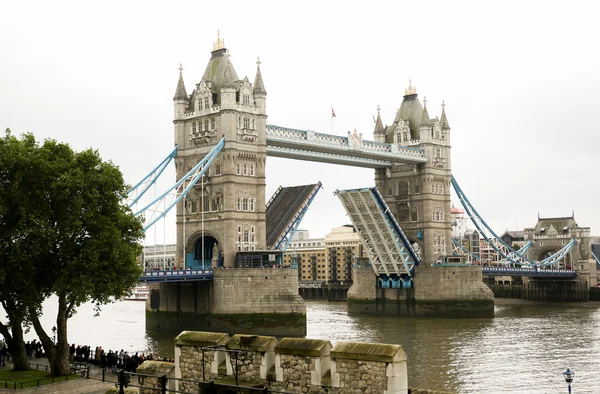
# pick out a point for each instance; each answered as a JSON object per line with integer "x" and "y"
{"x": 138, "y": 293}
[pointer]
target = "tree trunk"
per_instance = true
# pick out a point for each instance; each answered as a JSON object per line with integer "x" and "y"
{"x": 47, "y": 343}
{"x": 58, "y": 353}
{"x": 16, "y": 346}
{"x": 60, "y": 366}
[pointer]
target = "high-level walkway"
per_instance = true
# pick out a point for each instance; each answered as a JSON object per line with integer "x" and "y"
{"x": 328, "y": 148}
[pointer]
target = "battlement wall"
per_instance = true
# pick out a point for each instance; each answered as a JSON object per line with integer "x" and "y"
{"x": 296, "y": 365}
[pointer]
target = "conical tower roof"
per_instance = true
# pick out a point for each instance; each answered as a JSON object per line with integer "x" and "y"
{"x": 425, "y": 120}
{"x": 378, "y": 124}
{"x": 180, "y": 92}
{"x": 444, "y": 119}
{"x": 410, "y": 110}
{"x": 215, "y": 69}
{"x": 259, "y": 86}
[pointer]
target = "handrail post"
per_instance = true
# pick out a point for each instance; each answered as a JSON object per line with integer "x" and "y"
{"x": 121, "y": 379}
{"x": 163, "y": 384}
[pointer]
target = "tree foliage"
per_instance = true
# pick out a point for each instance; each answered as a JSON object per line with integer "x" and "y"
{"x": 68, "y": 232}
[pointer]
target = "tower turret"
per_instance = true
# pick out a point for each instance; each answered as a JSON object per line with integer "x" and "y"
{"x": 444, "y": 119}
{"x": 258, "y": 90}
{"x": 181, "y": 98}
{"x": 425, "y": 124}
{"x": 379, "y": 132}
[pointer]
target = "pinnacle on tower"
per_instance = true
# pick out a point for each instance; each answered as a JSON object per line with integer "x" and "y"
{"x": 444, "y": 119}
{"x": 180, "y": 92}
{"x": 259, "y": 87}
{"x": 425, "y": 120}
{"x": 378, "y": 124}
{"x": 410, "y": 89}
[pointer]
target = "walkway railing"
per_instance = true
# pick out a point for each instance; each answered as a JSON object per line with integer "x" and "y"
{"x": 176, "y": 275}
{"x": 528, "y": 271}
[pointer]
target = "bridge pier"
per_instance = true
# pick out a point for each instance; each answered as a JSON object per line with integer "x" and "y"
{"x": 438, "y": 291}
{"x": 260, "y": 301}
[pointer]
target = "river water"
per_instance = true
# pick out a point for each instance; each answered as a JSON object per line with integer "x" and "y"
{"x": 523, "y": 349}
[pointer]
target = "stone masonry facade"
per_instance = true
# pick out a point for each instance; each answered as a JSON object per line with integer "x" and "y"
{"x": 294, "y": 365}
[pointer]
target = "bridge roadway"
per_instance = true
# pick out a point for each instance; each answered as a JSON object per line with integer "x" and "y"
{"x": 207, "y": 274}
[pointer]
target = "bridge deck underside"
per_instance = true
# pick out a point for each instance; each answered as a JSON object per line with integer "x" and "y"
{"x": 284, "y": 209}
{"x": 387, "y": 252}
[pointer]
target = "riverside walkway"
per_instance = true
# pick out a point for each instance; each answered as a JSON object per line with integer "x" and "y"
{"x": 94, "y": 385}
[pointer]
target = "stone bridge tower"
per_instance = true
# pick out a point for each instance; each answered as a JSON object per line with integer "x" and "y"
{"x": 225, "y": 212}
{"x": 419, "y": 195}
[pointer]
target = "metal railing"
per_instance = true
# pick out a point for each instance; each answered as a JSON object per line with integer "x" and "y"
{"x": 163, "y": 385}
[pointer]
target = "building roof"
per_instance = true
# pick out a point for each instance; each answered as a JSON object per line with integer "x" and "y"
{"x": 411, "y": 110}
{"x": 514, "y": 234}
{"x": 559, "y": 223}
{"x": 215, "y": 69}
{"x": 180, "y": 92}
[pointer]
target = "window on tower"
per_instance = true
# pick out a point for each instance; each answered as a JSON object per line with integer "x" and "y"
{"x": 213, "y": 123}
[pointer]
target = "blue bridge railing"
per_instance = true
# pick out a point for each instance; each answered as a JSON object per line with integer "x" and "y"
{"x": 176, "y": 275}
{"x": 528, "y": 271}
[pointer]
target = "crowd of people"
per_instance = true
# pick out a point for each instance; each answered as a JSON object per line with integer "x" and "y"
{"x": 114, "y": 360}
{"x": 84, "y": 354}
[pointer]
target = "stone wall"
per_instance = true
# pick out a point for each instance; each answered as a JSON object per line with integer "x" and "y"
{"x": 438, "y": 291}
{"x": 296, "y": 365}
{"x": 156, "y": 369}
{"x": 254, "y": 300}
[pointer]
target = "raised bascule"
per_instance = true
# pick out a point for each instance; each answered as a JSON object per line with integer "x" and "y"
{"x": 224, "y": 221}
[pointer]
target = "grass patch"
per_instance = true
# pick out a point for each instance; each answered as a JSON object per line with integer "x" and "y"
{"x": 25, "y": 379}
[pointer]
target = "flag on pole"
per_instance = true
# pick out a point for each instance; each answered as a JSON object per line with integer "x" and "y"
{"x": 374, "y": 120}
{"x": 332, "y": 113}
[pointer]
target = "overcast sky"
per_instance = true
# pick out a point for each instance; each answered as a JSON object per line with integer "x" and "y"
{"x": 520, "y": 81}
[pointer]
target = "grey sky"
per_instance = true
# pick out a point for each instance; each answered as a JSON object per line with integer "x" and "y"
{"x": 520, "y": 81}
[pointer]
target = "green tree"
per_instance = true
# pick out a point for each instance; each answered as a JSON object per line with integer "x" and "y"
{"x": 80, "y": 240}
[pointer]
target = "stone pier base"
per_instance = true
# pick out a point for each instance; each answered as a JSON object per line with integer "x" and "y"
{"x": 255, "y": 301}
{"x": 438, "y": 291}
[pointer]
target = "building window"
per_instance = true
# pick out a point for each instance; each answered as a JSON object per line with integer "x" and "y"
{"x": 417, "y": 189}
{"x": 218, "y": 169}
{"x": 238, "y": 169}
{"x": 213, "y": 123}
{"x": 206, "y": 106}
{"x": 402, "y": 188}
{"x": 414, "y": 216}
{"x": 194, "y": 206}
{"x": 251, "y": 170}
{"x": 244, "y": 169}
{"x": 246, "y": 123}
{"x": 205, "y": 203}
{"x": 438, "y": 215}
{"x": 246, "y": 99}
{"x": 245, "y": 204}
{"x": 437, "y": 188}
{"x": 200, "y": 105}
{"x": 194, "y": 128}
{"x": 403, "y": 212}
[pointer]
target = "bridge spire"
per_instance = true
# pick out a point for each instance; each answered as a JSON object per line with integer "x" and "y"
{"x": 425, "y": 120}
{"x": 259, "y": 87}
{"x": 444, "y": 119}
{"x": 378, "y": 124}
{"x": 180, "y": 92}
{"x": 410, "y": 89}
{"x": 219, "y": 44}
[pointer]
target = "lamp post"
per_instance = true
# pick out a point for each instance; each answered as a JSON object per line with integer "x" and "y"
{"x": 54, "y": 334}
{"x": 569, "y": 375}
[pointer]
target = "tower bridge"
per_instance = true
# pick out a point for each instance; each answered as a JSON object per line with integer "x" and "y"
{"x": 403, "y": 221}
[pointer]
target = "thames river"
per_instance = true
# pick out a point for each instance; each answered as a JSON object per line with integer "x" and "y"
{"x": 523, "y": 349}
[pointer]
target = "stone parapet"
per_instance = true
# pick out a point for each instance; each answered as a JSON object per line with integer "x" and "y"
{"x": 295, "y": 365}
{"x": 157, "y": 370}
